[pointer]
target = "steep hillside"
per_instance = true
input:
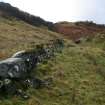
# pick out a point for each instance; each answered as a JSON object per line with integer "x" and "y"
{"x": 77, "y": 30}
{"x": 7, "y": 10}
{"x": 71, "y": 30}
{"x": 16, "y": 35}
{"x": 77, "y": 74}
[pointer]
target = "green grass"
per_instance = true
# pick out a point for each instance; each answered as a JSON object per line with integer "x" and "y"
{"x": 78, "y": 73}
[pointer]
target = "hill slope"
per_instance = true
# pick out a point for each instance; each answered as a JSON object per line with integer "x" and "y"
{"x": 78, "y": 73}
{"x": 71, "y": 30}
{"x": 78, "y": 77}
{"x": 78, "y": 30}
{"x": 16, "y": 35}
{"x": 7, "y": 10}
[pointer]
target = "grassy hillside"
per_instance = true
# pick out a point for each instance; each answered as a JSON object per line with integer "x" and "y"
{"x": 78, "y": 78}
{"x": 7, "y": 10}
{"x": 16, "y": 35}
{"x": 78, "y": 73}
